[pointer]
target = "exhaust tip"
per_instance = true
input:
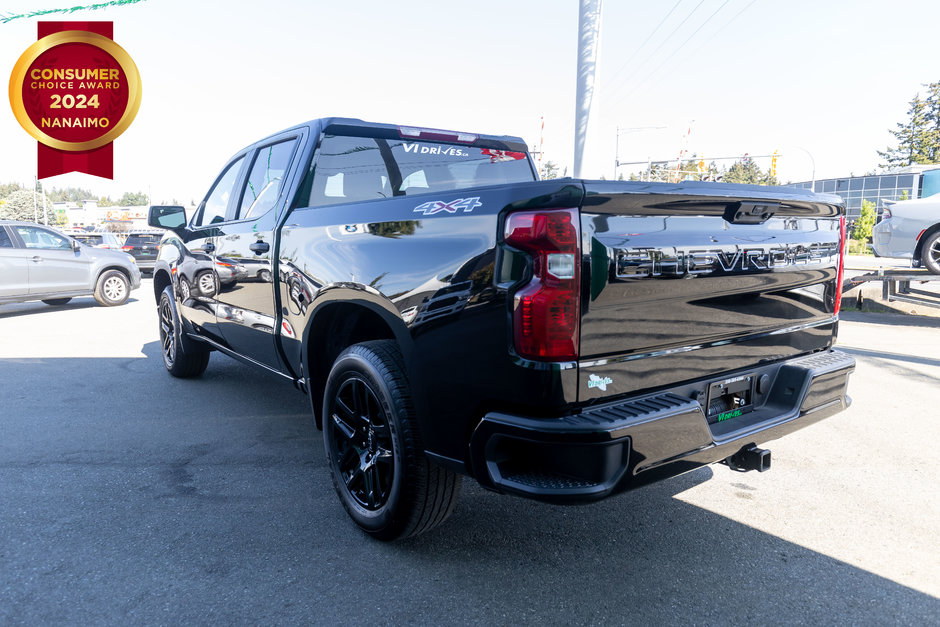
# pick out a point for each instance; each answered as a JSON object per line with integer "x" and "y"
{"x": 750, "y": 458}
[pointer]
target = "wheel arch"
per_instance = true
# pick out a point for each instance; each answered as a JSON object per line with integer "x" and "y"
{"x": 109, "y": 267}
{"x": 928, "y": 233}
{"x": 161, "y": 278}
{"x": 347, "y": 319}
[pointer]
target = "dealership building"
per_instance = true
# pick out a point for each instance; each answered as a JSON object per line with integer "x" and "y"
{"x": 918, "y": 181}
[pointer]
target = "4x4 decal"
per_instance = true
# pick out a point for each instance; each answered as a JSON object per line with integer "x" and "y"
{"x": 436, "y": 206}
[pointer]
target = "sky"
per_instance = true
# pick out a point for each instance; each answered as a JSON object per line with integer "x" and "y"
{"x": 821, "y": 83}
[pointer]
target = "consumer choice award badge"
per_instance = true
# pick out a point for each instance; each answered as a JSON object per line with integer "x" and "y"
{"x": 75, "y": 91}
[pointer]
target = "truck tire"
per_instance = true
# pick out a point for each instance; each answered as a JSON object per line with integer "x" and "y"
{"x": 931, "y": 253}
{"x": 112, "y": 288}
{"x": 386, "y": 483}
{"x": 183, "y": 357}
{"x": 56, "y": 301}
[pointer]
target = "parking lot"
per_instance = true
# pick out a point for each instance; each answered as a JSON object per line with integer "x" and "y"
{"x": 127, "y": 496}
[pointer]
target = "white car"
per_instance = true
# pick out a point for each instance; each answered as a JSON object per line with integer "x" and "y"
{"x": 910, "y": 229}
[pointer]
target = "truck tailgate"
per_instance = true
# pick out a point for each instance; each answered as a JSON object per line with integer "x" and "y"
{"x": 692, "y": 280}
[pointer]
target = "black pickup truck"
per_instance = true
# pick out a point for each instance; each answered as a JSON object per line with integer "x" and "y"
{"x": 449, "y": 314}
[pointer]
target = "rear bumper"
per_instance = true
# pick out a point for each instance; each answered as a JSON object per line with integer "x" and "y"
{"x": 621, "y": 445}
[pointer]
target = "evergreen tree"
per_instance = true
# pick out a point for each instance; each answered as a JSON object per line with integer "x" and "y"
{"x": 918, "y": 137}
{"x": 129, "y": 199}
{"x": 747, "y": 171}
{"x": 20, "y": 206}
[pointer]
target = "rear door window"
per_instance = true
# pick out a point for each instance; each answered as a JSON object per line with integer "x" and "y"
{"x": 264, "y": 183}
{"x": 5, "y": 241}
{"x": 355, "y": 169}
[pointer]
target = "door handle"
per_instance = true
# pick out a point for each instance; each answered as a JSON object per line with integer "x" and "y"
{"x": 36, "y": 259}
{"x": 259, "y": 247}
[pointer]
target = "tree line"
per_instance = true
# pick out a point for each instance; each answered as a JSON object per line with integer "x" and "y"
{"x": 21, "y": 203}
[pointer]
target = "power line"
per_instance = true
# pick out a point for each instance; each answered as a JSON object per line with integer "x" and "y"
{"x": 725, "y": 25}
{"x": 676, "y": 51}
{"x": 683, "y": 44}
{"x": 646, "y": 41}
{"x": 662, "y": 43}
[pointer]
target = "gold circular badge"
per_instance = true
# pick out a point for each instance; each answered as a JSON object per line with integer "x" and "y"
{"x": 75, "y": 108}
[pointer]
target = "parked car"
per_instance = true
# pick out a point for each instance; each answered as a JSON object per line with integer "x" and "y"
{"x": 98, "y": 240}
{"x": 40, "y": 263}
{"x": 910, "y": 229}
{"x": 143, "y": 245}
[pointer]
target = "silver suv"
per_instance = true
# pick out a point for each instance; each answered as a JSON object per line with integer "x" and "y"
{"x": 39, "y": 263}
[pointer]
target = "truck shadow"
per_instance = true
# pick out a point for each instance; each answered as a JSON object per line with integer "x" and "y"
{"x": 220, "y": 483}
{"x": 37, "y": 308}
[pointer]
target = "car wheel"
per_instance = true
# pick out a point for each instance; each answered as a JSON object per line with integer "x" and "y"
{"x": 207, "y": 282}
{"x": 931, "y": 253}
{"x": 264, "y": 276}
{"x": 113, "y": 288}
{"x": 186, "y": 291}
{"x": 182, "y": 356}
{"x": 386, "y": 483}
{"x": 56, "y": 301}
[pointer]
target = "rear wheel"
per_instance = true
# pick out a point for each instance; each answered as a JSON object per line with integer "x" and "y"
{"x": 182, "y": 356}
{"x": 208, "y": 283}
{"x": 386, "y": 483}
{"x": 931, "y": 253}
{"x": 113, "y": 288}
{"x": 56, "y": 301}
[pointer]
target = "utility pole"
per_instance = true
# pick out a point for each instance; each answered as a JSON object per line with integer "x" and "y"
{"x": 589, "y": 23}
{"x": 45, "y": 213}
{"x": 35, "y": 214}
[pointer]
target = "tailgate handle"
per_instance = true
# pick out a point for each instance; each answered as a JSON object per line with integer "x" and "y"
{"x": 750, "y": 212}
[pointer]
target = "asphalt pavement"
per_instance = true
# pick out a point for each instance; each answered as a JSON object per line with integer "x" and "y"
{"x": 130, "y": 497}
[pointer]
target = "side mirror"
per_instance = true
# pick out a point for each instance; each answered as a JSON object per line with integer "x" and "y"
{"x": 76, "y": 245}
{"x": 170, "y": 217}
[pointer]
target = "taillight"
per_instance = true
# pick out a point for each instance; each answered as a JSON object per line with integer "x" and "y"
{"x": 886, "y": 214}
{"x": 842, "y": 243}
{"x": 435, "y": 134}
{"x": 127, "y": 249}
{"x": 546, "y": 310}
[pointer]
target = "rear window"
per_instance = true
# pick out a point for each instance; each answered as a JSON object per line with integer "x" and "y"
{"x": 146, "y": 238}
{"x": 354, "y": 169}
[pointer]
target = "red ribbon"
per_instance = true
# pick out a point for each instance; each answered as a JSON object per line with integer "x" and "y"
{"x": 97, "y": 162}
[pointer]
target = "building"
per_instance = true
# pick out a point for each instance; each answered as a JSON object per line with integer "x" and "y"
{"x": 916, "y": 181}
{"x": 86, "y": 214}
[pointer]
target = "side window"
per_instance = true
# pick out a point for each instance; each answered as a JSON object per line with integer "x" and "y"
{"x": 214, "y": 207}
{"x": 350, "y": 169}
{"x": 264, "y": 182}
{"x": 41, "y": 238}
{"x": 5, "y": 241}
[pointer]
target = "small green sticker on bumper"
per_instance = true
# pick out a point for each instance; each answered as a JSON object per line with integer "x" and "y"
{"x": 734, "y": 413}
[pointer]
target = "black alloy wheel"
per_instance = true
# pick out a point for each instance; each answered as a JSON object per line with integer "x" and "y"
{"x": 363, "y": 444}
{"x": 182, "y": 356}
{"x": 374, "y": 449}
{"x": 167, "y": 332}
